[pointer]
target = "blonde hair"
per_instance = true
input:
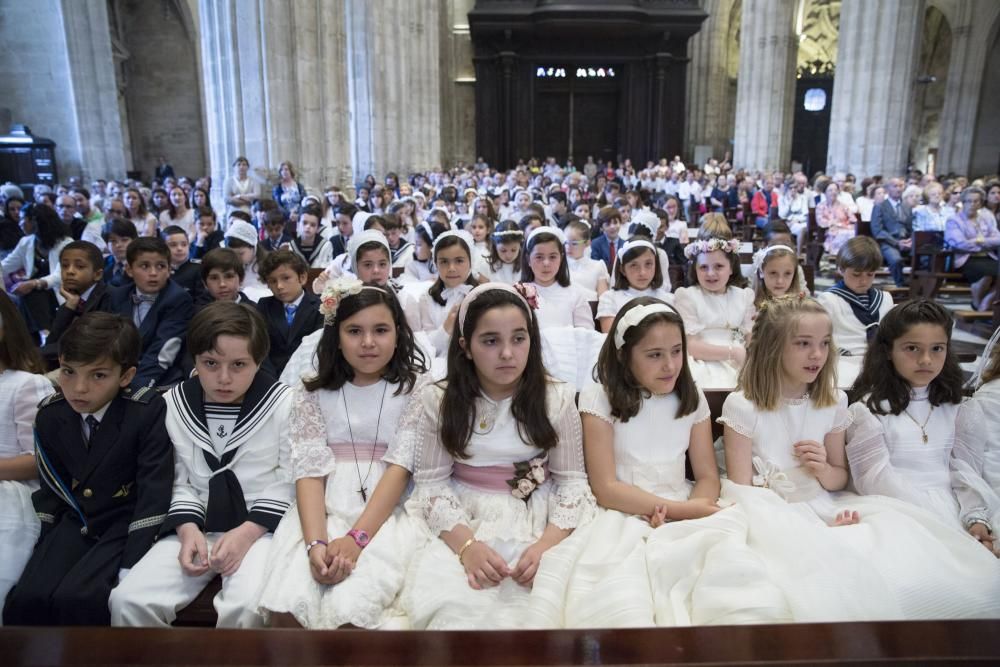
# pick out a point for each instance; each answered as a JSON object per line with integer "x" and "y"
{"x": 761, "y": 293}
{"x": 714, "y": 226}
{"x": 776, "y": 324}
{"x": 992, "y": 371}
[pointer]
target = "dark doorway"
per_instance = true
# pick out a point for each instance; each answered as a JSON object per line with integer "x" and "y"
{"x": 811, "y": 127}
{"x": 575, "y": 117}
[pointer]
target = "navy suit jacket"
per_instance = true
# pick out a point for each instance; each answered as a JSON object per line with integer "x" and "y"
{"x": 109, "y": 273}
{"x": 163, "y": 332}
{"x": 600, "y": 248}
{"x": 286, "y": 339}
{"x": 887, "y": 227}
{"x": 65, "y": 317}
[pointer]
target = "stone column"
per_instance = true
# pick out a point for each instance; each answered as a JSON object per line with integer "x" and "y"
{"x": 708, "y": 96}
{"x": 276, "y": 89}
{"x": 765, "y": 95}
{"x": 971, "y": 28}
{"x": 873, "y": 89}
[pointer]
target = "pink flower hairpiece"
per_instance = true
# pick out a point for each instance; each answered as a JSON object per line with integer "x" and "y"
{"x": 529, "y": 293}
{"x": 695, "y": 248}
{"x": 333, "y": 293}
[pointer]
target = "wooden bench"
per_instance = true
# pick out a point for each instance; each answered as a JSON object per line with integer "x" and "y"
{"x": 874, "y": 643}
{"x": 929, "y": 268}
{"x": 814, "y": 240}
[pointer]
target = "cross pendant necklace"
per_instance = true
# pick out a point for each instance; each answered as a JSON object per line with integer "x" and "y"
{"x": 362, "y": 487}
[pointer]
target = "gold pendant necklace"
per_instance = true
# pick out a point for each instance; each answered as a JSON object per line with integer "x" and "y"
{"x": 923, "y": 427}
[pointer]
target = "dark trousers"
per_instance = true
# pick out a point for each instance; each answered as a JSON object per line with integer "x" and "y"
{"x": 68, "y": 579}
{"x": 895, "y": 262}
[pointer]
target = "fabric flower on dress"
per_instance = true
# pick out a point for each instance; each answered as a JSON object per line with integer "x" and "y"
{"x": 332, "y": 295}
{"x": 529, "y": 293}
{"x": 528, "y": 476}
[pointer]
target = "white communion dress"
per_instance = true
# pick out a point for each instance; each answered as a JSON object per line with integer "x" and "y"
{"x": 322, "y": 428}
{"x": 718, "y": 319}
{"x": 437, "y": 594}
{"x": 975, "y": 460}
{"x": 619, "y": 572}
{"x": 560, "y": 306}
{"x": 614, "y": 299}
{"x": 899, "y": 562}
{"x": 889, "y": 456}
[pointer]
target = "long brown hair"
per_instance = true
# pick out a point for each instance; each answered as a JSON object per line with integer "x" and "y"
{"x": 624, "y": 392}
{"x": 457, "y": 413}
{"x": 776, "y": 324}
{"x": 17, "y": 350}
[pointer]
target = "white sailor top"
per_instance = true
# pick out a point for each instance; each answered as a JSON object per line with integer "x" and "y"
{"x": 245, "y": 476}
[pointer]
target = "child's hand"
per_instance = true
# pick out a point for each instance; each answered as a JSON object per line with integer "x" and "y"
{"x": 484, "y": 567}
{"x": 449, "y": 322}
{"x": 228, "y": 552}
{"x": 342, "y": 554}
{"x": 193, "y": 555}
{"x": 72, "y": 300}
{"x": 658, "y": 517}
{"x": 23, "y": 288}
{"x": 982, "y": 533}
{"x": 319, "y": 565}
{"x": 739, "y": 355}
{"x": 527, "y": 565}
{"x": 811, "y": 455}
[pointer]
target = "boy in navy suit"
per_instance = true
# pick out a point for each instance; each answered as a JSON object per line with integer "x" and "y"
{"x": 159, "y": 307}
{"x": 119, "y": 235}
{"x": 184, "y": 271}
{"x": 606, "y": 246}
{"x": 274, "y": 228}
{"x": 106, "y": 467}
{"x": 222, "y": 274}
{"x": 292, "y": 313}
{"x": 83, "y": 291}
{"x": 209, "y": 235}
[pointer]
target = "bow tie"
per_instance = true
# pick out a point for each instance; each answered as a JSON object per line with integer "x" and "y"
{"x": 143, "y": 298}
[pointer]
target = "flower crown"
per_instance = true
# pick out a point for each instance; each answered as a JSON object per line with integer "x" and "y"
{"x": 333, "y": 293}
{"x": 695, "y": 248}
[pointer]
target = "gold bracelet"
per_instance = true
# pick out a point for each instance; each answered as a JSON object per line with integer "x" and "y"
{"x": 461, "y": 552}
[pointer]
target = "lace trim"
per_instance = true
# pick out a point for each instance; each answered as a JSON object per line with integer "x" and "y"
{"x": 594, "y": 413}
{"x": 739, "y": 428}
{"x": 571, "y": 505}
{"x": 310, "y": 455}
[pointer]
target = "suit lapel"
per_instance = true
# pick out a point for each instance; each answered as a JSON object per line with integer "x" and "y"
{"x": 95, "y": 297}
{"x": 76, "y": 449}
{"x": 306, "y": 306}
{"x": 104, "y": 440}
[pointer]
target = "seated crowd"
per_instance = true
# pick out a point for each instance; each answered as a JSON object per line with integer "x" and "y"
{"x": 189, "y": 396}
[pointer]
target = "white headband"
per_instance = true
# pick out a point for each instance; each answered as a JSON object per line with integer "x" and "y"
{"x": 758, "y": 257}
{"x": 629, "y": 245}
{"x": 554, "y": 231}
{"x": 634, "y": 316}
{"x": 465, "y": 236}
{"x": 530, "y": 299}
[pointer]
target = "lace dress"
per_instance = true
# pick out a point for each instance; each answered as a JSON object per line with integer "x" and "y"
{"x": 431, "y": 316}
{"x": 613, "y": 300}
{"x": 437, "y": 593}
{"x": 975, "y": 462}
{"x": 320, "y": 426}
{"x": 19, "y": 526}
{"x": 889, "y": 457}
{"x": 717, "y": 319}
{"x": 899, "y": 562}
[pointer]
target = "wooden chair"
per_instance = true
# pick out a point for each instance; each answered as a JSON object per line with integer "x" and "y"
{"x": 929, "y": 267}
{"x": 397, "y": 271}
{"x": 313, "y": 275}
{"x": 814, "y": 240}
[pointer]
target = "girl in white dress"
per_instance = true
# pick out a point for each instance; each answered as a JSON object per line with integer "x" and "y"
{"x": 636, "y": 272}
{"x": 22, "y": 388}
{"x": 975, "y": 460}
{"x": 339, "y": 556}
{"x": 504, "y": 265}
{"x": 586, "y": 273}
{"x": 775, "y": 273}
{"x": 717, "y": 310}
{"x": 438, "y": 306}
{"x": 560, "y": 304}
{"x": 499, "y": 474}
{"x": 241, "y": 236}
{"x": 784, "y": 431}
{"x": 420, "y": 267}
{"x": 905, "y": 403}
{"x": 481, "y": 228}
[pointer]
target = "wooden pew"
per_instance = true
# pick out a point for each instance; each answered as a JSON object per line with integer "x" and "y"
{"x": 875, "y": 643}
{"x": 928, "y": 268}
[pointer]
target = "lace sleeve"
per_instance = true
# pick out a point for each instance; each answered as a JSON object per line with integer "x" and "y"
{"x": 594, "y": 401}
{"x": 738, "y": 414}
{"x": 975, "y": 496}
{"x": 571, "y": 502}
{"x": 311, "y": 457}
{"x": 402, "y": 447}
{"x": 868, "y": 456}
{"x": 842, "y": 416}
{"x": 684, "y": 303}
{"x": 433, "y": 502}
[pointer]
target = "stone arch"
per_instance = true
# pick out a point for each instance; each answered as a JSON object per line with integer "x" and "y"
{"x": 159, "y": 80}
{"x": 986, "y": 142}
{"x": 931, "y": 83}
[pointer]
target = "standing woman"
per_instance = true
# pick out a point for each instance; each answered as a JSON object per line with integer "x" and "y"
{"x": 143, "y": 220}
{"x": 240, "y": 190}
{"x": 288, "y": 192}
{"x": 499, "y": 473}
{"x": 37, "y": 254}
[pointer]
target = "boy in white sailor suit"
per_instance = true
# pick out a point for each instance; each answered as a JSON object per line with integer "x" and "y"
{"x": 106, "y": 466}
{"x": 232, "y": 477}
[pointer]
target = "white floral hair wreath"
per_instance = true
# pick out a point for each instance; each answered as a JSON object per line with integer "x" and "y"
{"x": 695, "y": 248}
{"x": 760, "y": 255}
{"x": 334, "y": 292}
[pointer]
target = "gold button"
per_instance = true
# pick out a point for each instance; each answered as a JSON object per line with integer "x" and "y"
{"x": 87, "y": 493}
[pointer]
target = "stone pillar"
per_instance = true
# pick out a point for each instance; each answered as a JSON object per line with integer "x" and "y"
{"x": 275, "y": 80}
{"x": 971, "y": 29}
{"x": 709, "y": 122}
{"x": 765, "y": 94}
{"x": 873, "y": 89}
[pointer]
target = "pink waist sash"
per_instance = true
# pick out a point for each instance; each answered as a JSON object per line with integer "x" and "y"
{"x": 484, "y": 478}
{"x": 364, "y": 450}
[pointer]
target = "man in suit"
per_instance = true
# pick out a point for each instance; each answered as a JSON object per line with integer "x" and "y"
{"x": 292, "y": 312}
{"x": 606, "y": 246}
{"x": 159, "y": 307}
{"x": 891, "y": 227}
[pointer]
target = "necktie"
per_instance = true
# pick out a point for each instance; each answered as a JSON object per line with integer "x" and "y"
{"x": 81, "y": 306}
{"x": 614, "y": 252}
{"x": 93, "y": 424}
{"x": 290, "y": 313}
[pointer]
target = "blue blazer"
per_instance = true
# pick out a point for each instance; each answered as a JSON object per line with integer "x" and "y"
{"x": 163, "y": 332}
{"x": 600, "y": 248}
{"x": 886, "y": 227}
{"x": 109, "y": 274}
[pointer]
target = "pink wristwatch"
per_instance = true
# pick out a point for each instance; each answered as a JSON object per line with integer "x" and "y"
{"x": 360, "y": 537}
